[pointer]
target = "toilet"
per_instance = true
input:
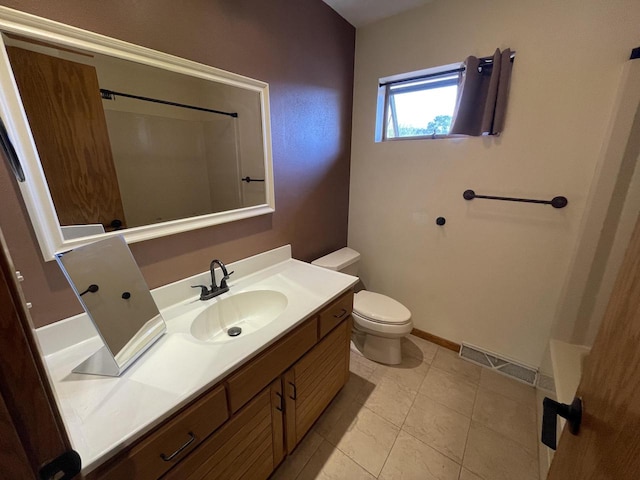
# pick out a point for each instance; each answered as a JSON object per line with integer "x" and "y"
{"x": 379, "y": 322}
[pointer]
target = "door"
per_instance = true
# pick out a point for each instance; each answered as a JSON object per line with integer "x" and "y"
{"x": 31, "y": 430}
{"x": 608, "y": 444}
{"x": 63, "y": 105}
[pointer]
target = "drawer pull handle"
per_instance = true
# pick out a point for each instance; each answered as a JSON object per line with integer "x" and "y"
{"x": 295, "y": 392}
{"x": 280, "y": 407}
{"x": 166, "y": 458}
{"x": 341, "y": 314}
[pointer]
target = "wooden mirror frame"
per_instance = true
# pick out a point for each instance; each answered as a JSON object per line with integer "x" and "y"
{"x": 34, "y": 188}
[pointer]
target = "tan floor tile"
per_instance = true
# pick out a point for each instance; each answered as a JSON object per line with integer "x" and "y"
{"x": 507, "y": 417}
{"x": 467, "y": 475}
{"x": 389, "y": 399}
{"x": 329, "y": 463}
{"x": 364, "y": 436}
{"x": 294, "y": 463}
{"x": 357, "y": 386}
{"x": 411, "y": 459}
{"x": 356, "y": 389}
{"x": 409, "y": 373}
{"x": 338, "y": 406}
{"x": 361, "y": 366}
{"x": 508, "y": 387}
{"x": 495, "y": 457}
{"x": 455, "y": 391}
{"x": 418, "y": 348}
{"x": 450, "y": 362}
{"x": 438, "y": 426}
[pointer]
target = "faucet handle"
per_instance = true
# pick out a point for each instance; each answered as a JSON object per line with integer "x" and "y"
{"x": 223, "y": 282}
{"x": 204, "y": 290}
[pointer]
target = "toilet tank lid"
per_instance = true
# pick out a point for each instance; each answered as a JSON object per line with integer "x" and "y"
{"x": 338, "y": 260}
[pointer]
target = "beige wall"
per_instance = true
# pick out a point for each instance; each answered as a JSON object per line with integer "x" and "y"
{"x": 612, "y": 209}
{"x": 494, "y": 274}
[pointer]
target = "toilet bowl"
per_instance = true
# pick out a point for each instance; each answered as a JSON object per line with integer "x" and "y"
{"x": 379, "y": 322}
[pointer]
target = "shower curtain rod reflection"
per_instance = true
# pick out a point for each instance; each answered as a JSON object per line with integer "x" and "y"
{"x": 110, "y": 94}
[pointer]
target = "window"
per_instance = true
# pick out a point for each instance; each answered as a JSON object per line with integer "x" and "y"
{"x": 417, "y": 104}
{"x": 422, "y": 104}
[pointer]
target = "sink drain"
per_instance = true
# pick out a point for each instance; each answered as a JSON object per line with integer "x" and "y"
{"x": 234, "y": 331}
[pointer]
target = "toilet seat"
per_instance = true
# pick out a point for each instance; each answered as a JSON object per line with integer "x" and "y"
{"x": 378, "y": 308}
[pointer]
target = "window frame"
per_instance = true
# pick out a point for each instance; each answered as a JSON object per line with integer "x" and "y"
{"x": 385, "y": 97}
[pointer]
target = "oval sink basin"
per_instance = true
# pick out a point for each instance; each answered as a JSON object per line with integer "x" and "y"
{"x": 250, "y": 311}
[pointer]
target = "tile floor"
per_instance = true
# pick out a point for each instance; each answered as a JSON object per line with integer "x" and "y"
{"x": 434, "y": 416}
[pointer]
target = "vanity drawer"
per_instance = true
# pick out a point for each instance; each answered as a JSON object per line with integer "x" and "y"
{"x": 165, "y": 447}
{"x": 262, "y": 370}
{"x": 243, "y": 449}
{"x": 331, "y": 316}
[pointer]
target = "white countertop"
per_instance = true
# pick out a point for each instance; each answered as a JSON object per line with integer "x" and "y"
{"x": 105, "y": 414}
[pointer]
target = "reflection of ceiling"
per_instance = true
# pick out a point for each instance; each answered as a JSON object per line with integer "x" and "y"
{"x": 362, "y": 12}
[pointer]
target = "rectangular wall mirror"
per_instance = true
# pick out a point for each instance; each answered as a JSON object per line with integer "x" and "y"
{"x": 113, "y": 137}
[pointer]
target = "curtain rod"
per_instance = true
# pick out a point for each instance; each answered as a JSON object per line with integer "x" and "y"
{"x": 484, "y": 61}
{"x": 109, "y": 94}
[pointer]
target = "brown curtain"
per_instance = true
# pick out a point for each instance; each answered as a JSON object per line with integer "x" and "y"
{"x": 482, "y": 96}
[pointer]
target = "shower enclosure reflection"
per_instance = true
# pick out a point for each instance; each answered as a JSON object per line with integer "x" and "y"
{"x": 135, "y": 145}
{"x": 140, "y": 142}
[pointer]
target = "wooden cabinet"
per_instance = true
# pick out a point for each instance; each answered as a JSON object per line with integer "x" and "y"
{"x": 244, "y": 426}
{"x": 261, "y": 371}
{"x": 170, "y": 443}
{"x": 244, "y": 448}
{"x": 313, "y": 382}
{"x": 335, "y": 313}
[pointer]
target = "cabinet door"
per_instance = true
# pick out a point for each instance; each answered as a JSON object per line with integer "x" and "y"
{"x": 314, "y": 380}
{"x": 243, "y": 448}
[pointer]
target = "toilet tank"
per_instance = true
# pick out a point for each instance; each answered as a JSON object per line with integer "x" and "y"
{"x": 344, "y": 260}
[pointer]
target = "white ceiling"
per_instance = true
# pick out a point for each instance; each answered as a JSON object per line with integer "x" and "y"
{"x": 362, "y": 12}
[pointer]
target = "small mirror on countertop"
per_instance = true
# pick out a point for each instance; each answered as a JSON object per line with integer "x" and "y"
{"x": 113, "y": 292}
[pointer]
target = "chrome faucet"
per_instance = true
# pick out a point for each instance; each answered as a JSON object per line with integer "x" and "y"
{"x": 205, "y": 292}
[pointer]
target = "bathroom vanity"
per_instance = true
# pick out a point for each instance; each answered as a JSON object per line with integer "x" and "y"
{"x": 202, "y": 404}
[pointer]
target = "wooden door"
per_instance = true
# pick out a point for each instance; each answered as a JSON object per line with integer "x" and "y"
{"x": 64, "y": 108}
{"x": 608, "y": 444}
{"x": 313, "y": 381}
{"x": 31, "y": 430}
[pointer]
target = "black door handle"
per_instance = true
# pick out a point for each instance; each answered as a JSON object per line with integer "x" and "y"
{"x": 550, "y": 411}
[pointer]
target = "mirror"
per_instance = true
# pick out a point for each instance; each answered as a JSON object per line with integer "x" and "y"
{"x": 118, "y": 138}
{"x": 110, "y": 287}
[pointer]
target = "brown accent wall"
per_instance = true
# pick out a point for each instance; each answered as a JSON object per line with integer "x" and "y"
{"x": 304, "y": 50}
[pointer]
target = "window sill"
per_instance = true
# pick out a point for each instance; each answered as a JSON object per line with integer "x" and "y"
{"x": 421, "y": 137}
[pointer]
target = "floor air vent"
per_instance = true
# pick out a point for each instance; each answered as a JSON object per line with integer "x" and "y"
{"x": 515, "y": 370}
